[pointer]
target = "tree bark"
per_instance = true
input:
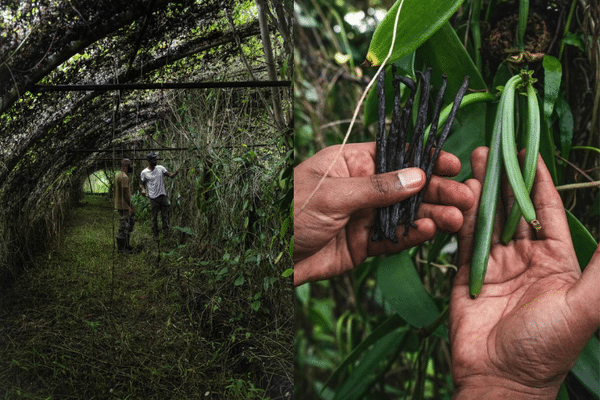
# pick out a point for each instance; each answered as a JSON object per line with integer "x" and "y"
{"x": 284, "y": 25}
{"x": 261, "y": 5}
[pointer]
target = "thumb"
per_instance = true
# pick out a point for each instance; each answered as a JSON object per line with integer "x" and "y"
{"x": 381, "y": 190}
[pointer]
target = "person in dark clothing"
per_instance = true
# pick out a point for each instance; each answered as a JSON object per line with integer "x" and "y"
{"x": 152, "y": 182}
{"x": 124, "y": 207}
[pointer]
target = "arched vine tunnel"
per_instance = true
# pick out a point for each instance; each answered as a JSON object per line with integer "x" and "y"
{"x": 105, "y": 42}
{"x": 84, "y": 84}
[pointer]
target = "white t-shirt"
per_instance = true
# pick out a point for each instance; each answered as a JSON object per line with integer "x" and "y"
{"x": 155, "y": 181}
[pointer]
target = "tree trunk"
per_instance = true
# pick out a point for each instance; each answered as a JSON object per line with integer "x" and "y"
{"x": 261, "y": 5}
{"x": 284, "y": 25}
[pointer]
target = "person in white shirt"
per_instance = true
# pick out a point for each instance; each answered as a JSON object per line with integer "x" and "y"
{"x": 152, "y": 182}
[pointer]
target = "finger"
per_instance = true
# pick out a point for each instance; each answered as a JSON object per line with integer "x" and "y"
{"x": 447, "y": 192}
{"x": 548, "y": 206}
{"x": 585, "y": 294}
{"x": 478, "y": 162}
{"x": 467, "y": 231}
{"x": 446, "y": 218}
{"x": 447, "y": 164}
{"x": 380, "y": 190}
{"x": 425, "y": 230}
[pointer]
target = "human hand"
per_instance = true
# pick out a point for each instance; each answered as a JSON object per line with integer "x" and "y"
{"x": 536, "y": 310}
{"x": 333, "y": 233}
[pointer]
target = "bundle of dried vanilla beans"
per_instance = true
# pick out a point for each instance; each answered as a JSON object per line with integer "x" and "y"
{"x": 392, "y": 152}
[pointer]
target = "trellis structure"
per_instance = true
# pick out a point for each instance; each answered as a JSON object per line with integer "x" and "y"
{"x": 113, "y": 47}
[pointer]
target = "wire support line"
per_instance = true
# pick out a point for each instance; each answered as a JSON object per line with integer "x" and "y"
{"x": 157, "y": 86}
{"x": 166, "y": 148}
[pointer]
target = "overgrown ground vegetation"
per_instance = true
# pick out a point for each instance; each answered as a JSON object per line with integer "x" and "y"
{"x": 87, "y": 322}
{"x": 206, "y": 312}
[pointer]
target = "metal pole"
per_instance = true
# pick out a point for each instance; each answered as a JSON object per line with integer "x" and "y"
{"x": 158, "y": 86}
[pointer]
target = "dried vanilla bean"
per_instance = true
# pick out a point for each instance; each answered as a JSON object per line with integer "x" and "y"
{"x": 444, "y": 135}
{"x": 381, "y": 139}
{"x": 434, "y": 122}
{"x": 392, "y": 152}
{"x": 422, "y": 117}
{"x": 398, "y": 209}
{"x": 418, "y": 140}
{"x": 412, "y": 147}
{"x": 409, "y": 83}
{"x": 392, "y": 141}
{"x": 416, "y": 200}
{"x": 382, "y": 217}
{"x": 392, "y": 149}
{"x": 405, "y": 119}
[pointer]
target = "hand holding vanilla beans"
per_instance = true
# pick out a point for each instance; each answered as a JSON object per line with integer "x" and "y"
{"x": 392, "y": 152}
{"x": 332, "y": 233}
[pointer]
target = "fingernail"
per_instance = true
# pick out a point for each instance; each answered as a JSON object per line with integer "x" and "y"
{"x": 410, "y": 178}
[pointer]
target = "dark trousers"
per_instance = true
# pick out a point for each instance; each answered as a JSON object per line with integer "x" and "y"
{"x": 126, "y": 223}
{"x": 161, "y": 203}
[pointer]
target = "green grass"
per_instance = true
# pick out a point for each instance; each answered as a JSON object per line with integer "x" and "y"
{"x": 89, "y": 323}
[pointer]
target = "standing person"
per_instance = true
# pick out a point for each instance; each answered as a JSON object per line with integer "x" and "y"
{"x": 152, "y": 180}
{"x": 124, "y": 206}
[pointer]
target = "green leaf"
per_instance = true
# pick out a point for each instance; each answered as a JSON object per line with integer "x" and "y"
{"x": 547, "y": 147}
{"x": 187, "y": 230}
{"x": 418, "y": 20}
{"x": 587, "y": 366}
{"x": 439, "y": 242}
{"x": 321, "y": 315}
{"x": 552, "y": 77}
{"x": 303, "y": 293}
{"x": 445, "y": 53}
{"x": 284, "y": 227}
{"x": 402, "y": 288}
{"x": 503, "y": 74}
{"x": 563, "y": 394}
{"x": 386, "y": 327}
{"x": 596, "y": 206}
{"x": 467, "y": 134}
{"x": 583, "y": 241}
{"x": 574, "y": 39}
{"x": 239, "y": 281}
{"x": 287, "y": 272}
{"x": 255, "y": 305}
{"x": 565, "y": 126}
{"x": 376, "y": 361}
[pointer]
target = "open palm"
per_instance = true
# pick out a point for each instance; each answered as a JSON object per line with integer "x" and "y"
{"x": 536, "y": 310}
